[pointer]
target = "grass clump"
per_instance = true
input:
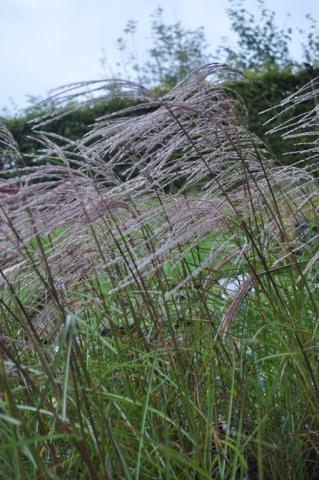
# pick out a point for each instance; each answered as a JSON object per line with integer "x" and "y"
{"x": 159, "y": 300}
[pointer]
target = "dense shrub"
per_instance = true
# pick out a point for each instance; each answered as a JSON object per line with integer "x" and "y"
{"x": 72, "y": 126}
{"x": 264, "y": 91}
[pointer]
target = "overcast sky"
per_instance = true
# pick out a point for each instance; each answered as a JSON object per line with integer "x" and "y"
{"x": 47, "y": 43}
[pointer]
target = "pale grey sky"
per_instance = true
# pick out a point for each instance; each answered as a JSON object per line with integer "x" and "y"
{"x": 47, "y": 43}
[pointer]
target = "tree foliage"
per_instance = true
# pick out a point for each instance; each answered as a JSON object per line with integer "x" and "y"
{"x": 310, "y": 45}
{"x": 174, "y": 53}
{"x": 261, "y": 43}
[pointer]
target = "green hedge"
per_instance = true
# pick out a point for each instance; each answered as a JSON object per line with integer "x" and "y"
{"x": 72, "y": 126}
{"x": 261, "y": 91}
{"x": 266, "y": 90}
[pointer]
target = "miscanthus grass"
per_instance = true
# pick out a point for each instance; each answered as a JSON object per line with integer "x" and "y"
{"x": 159, "y": 292}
